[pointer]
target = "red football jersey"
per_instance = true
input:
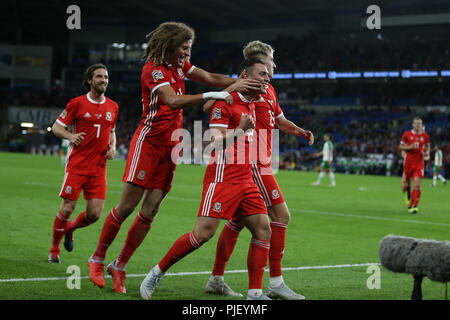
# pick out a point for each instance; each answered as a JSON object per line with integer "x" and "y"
{"x": 233, "y": 164}
{"x": 415, "y": 156}
{"x": 267, "y": 110}
{"x": 158, "y": 120}
{"x": 97, "y": 120}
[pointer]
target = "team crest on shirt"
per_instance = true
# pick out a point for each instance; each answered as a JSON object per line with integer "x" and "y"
{"x": 216, "y": 114}
{"x": 108, "y": 116}
{"x": 141, "y": 174}
{"x": 157, "y": 75}
{"x": 63, "y": 114}
{"x": 180, "y": 73}
{"x": 217, "y": 206}
{"x": 275, "y": 194}
{"x": 68, "y": 190}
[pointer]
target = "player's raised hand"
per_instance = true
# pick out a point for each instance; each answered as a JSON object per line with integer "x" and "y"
{"x": 309, "y": 137}
{"x": 246, "y": 122}
{"x": 77, "y": 138}
{"x": 246, "y": 85}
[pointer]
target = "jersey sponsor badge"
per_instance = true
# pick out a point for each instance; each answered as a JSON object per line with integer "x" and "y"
{"x": 87, "y": 115}
{"x": 216, "y": 114}
{"x": 108, "y": 116}
{"x": 63, "y": 114}
{"x": 157, "y": 75}
{"x": 217, "y": 206}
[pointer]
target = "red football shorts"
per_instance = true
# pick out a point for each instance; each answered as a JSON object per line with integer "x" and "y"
{"x": 150, "y": 166}
{"x": 268, "y": 185}
{"x": 94, "y": 187}
{"x": 413, "y": 170}
{"x": 231, "y": 200}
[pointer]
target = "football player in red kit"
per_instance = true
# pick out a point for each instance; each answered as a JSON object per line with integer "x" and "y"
{"x": 149, "y": 169}
{"x": 416, "y": 144}
{"x": 88, "y": 122}
{"x": 229, "y": 191}
{"x": 268, "y": 114}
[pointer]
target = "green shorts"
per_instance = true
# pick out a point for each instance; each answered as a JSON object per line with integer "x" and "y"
{"x": 325, "y": 165}
{"x": 436, "y": 169}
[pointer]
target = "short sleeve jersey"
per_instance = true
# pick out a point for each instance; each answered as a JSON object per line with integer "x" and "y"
{"x": 438, "y": 158}
{"x": 267, "y": 110}
{"x": 415, "y": 156}
{"x": 158, "y": 120}
{"x": 328, "y": 151}
{"x": 232, "y": 165}
{"x": 97, "y": 120}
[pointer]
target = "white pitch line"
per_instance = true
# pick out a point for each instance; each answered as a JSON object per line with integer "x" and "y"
{"x": 177, "y": 274}
{"x": 337, "y": 214}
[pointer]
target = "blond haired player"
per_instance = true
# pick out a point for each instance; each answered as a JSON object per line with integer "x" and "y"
{"x": 268, "y": 114}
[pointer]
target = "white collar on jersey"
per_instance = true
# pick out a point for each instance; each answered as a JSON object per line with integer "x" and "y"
{"x": 93, "y": 101}
{"x": 247, "y": 101}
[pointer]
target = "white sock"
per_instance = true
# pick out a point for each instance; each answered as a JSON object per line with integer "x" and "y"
{"x": 441, "y": 177}
{"x": 321, "y": 175}
{"x": 275, "y": 281}
{"x": 332, "y": 178}
{"x": 255, "y": 292}
{"x": 434, "y": 180}
{"x": 158, "y": 271}
{"x": 216, "y": 278}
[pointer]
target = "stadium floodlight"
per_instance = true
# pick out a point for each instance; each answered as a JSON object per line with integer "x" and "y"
{"x": 310, "y": 75}
{"x": 282, "y": 76}
{"x": 381, "y": 74}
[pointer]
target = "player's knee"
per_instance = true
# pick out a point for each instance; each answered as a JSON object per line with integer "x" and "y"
{"x": 204, "y": 236}
{"x": 125, "y": 209}
{"x": 94, "y": 215}
{"x": 280, "y": 213}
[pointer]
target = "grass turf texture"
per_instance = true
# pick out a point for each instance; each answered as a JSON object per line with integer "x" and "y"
{"x": 329, "y": 226}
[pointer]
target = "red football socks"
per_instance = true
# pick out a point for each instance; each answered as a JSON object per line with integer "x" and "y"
{"x": 225, "y": 246}
{"x": 59, "y": 228}
{"x": 109, "y": 231}
{"x": 138, "y": 230}
{"x": 256, "y": 262}
{"x": 415, "y": 198}
{"x": 182, "y": 247}
{"x": 277, "y": 245}
{"x": 80, "y": 222}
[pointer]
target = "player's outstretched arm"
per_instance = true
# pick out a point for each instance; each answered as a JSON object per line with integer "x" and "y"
{"x": 289, "y": 127}
{"x": 175, "y": 101}
{"x": 241, "y": 85}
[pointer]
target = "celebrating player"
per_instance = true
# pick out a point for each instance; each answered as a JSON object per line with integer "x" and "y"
{"x": 268, "y": 114}
{"x": 229, "y": 191}
{"x": 327, "y": 159}
{"x": 149, "y": 169}
{"x": 88, "y": 123}
{"x": 438, "y": 166}
{"x": 416, "y": 144}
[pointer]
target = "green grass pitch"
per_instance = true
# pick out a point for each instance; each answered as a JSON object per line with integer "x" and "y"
{"x": 333, "y": 234}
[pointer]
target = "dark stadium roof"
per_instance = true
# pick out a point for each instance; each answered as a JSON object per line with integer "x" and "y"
{"x": 44, "y": 21}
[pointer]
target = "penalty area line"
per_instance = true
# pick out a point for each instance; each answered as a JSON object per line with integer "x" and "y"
{"x": 177, "y": 274}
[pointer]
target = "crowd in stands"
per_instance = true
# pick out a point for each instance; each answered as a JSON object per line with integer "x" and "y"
{"x": 356, "y": 132}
